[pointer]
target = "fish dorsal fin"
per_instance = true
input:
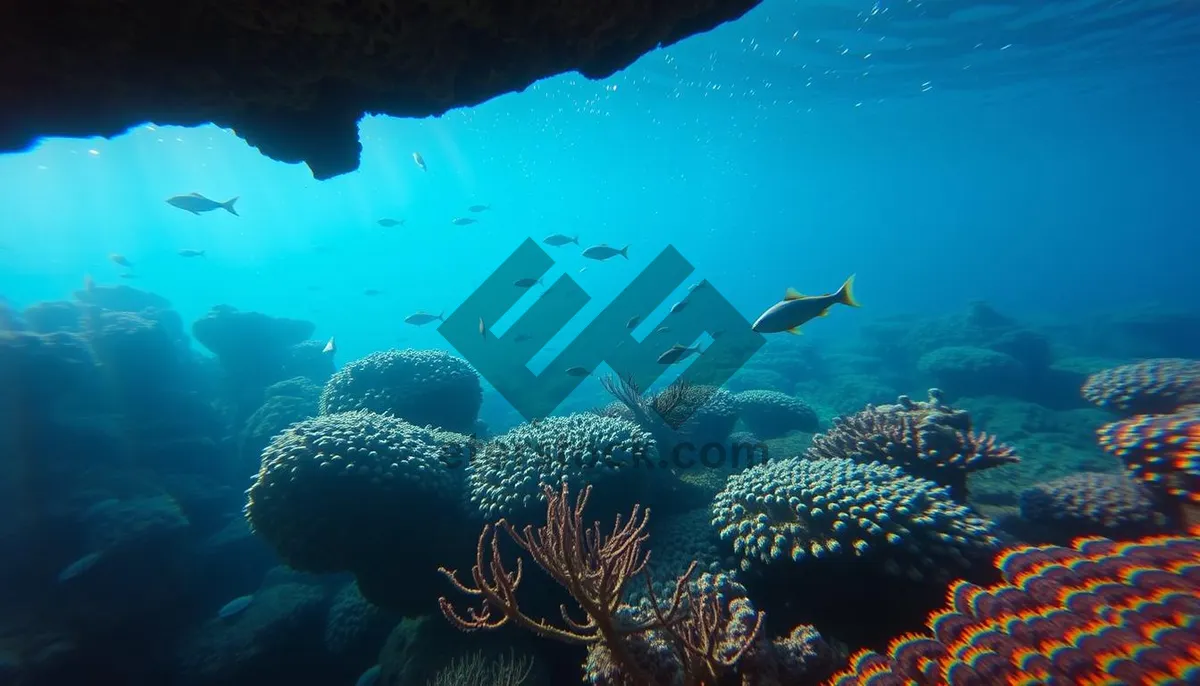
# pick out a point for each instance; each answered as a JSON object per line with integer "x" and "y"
{"x": 195, "y": 195}
{"x": 792, "y": 294}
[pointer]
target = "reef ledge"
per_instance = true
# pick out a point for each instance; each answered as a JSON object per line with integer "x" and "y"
{"x": 294, "y": 77}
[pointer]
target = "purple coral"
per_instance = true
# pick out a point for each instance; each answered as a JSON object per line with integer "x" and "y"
{"x": 1155, "y": 386}
{"x": 930, "y": 440}
{"x": 1089, "y": 504}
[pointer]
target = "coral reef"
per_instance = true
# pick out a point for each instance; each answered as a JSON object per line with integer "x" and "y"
{"x": 1098, "y": 612}
{"x": 968, "y": 370}
{"x": 1161, "y": 450}
{"x": 929, "y": 439}
{"x": 338, "y": 492}
{"x": 1156, "y": 386}
{"x": 1091, "y": 504}
{"x": 505, "y": 479}
{"x": 770, "y": 414}
{"x": 355, "y": 628}
{"x": 803, "y": 510}
{"x": 425, "y": 387}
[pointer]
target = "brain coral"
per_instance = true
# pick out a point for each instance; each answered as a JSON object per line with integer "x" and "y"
{"x": 1089, "y": 504}
{"x": 927, "y": 439}
{"x": 420, "y": 386}
{"x": 1162, "y": 450}
{"x": 802, "y": 510}
{"x": 1155, "y": 386}
{"x": 771, "y": 413}
{"x": 505, "y": 477}
{"x": 331, "y": 490}
{"x": 1097, "y": 613}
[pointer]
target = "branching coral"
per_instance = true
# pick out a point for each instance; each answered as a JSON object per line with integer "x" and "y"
{"x": 595, "y": 569}
{"x": 1097, "y": 613}
{"x": 929, "y": 439}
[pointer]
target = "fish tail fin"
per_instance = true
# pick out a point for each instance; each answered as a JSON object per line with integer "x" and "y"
{"x": 624, "y": 252}
{"x": 845, "y": 294}
{"x": 575, "y": 239}
{"x": 442, "y": 316}
{"x": 201, "y": 253}
{"x": 228, "y": 206}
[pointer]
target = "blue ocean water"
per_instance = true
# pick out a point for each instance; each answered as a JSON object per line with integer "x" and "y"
{"x": 1041, "y": 158}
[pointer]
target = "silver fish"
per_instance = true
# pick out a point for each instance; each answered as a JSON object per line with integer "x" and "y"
{"x": 578, "y": 371}
{"x": 558, "y": 239}
{"x": 527, "y": 283}
{"x": 120, "y": 260}
{"x": 795, "y": 309}
{"x": 187, "y": 252}
{"x": 391, "y": 222}
{"x": 633, "y": 323}
{"x": 330, "y": 347}
{"x": 420, "y": 161}
{"x": 678, "y": 353}
{"x": 463, "y": 221}
{"x": 678, "y": 307}
{"x": 479, "y": 208}
{"x": 603, "y": 252}
{"x": 372, "y": 292}
{"x": 482, "y": 328}
{"x": 423, "y": 318}
{"x": 196, "y": 203}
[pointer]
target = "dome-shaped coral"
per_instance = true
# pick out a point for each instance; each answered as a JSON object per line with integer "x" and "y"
{"x": 333, "y": 489}
{"x": 801, "y": 510}
{"x": 1097, "y": 613}
{"x": 1161, "y": 450}
{"x": 505, "y": 479}
{"x": 929, "y": 439}
{"x": 770, "y": 413}
{"x": 1155, "y": 386}
{"x": 1089, "y": 504}
{"x": 424, "y": 387}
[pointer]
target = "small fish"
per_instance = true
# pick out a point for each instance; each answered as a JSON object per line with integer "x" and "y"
{"x": 482, "y": 328}
{"x": 678, "y": 307}
{"x": 633, "y": 323}
{"x": 662, "y": 329}
{"x": 420, "y": 161}
{"x": 479, "y": 208}
{"x": 578, "y": 371}
{"x": 603, "y": 252}
{"x": 463, "y": 221}
{"x": 196, "y": 203}
{"x": 558, "y": 239}
{"x": 521, "y": 338}
{"x": 678, "y": 353}
{"x": 527, "y": 283}
{"x": 698, "y": 284}
{"x": 423, "y": 318}
{"x": 235, "y": 606}
{"x": 330, "y": 347}
{"x": 78, "y": 567}
{"x": 120, "y": 260}
{"x": 795, "y": 309}
{"x": 391, "y": 222}
{"x": 187, "y": 252}
{"x": 372, "y": 292}
{"x": 716, "y": 334}
{"x": 128, "y": 275}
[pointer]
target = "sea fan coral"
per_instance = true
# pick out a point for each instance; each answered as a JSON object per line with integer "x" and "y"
{"x": 424, "y": 387}
{"x": 1162, "y": 450}
{"x": 1100, "y": 612}
{"x": 802, "y": 510}
{"x": 1090, "y": 504}
{"x": 1155, "y": 386}
{"x": 929, "y": 439}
